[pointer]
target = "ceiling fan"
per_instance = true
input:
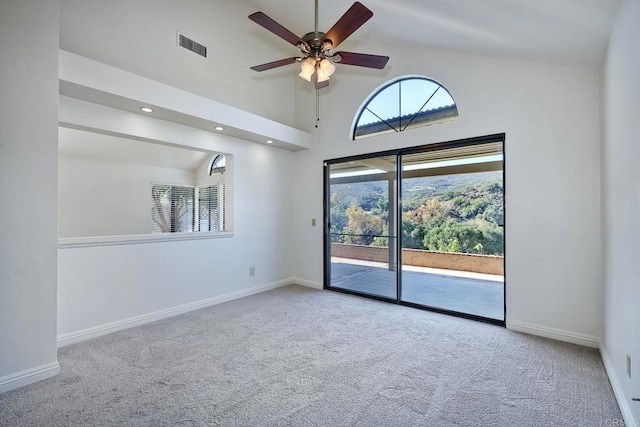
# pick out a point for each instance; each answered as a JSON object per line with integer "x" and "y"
{"x": 318, "y": 58}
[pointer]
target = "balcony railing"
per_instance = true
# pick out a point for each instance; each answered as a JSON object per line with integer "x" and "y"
{"x": 488, "y": 264}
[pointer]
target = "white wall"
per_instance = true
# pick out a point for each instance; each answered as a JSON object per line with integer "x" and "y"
{"x": 106, "y": 285}
{"x": 140, "y": 37}
{"x": 104, "y": 198}
{"x": 550, "y": 116}
{"x": 28, "y": 174}
{"x": 621, "y": 207}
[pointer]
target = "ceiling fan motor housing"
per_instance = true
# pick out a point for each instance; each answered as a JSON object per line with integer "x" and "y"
{"x": 315, "y": 45}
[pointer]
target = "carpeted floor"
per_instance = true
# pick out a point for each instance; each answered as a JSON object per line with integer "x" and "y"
{"x": 297, "y": 356}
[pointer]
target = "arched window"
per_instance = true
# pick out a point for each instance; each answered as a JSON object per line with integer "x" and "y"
{"x": 404, "y": 103}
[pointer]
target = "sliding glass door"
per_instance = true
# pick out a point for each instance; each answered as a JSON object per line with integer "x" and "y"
{"x": 422, "y": 226}
{"x": 452, "y": 235}
{"x": 361, "y": 196}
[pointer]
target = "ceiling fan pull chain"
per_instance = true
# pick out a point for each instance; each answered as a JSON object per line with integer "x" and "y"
{"x": 317, "y": 105}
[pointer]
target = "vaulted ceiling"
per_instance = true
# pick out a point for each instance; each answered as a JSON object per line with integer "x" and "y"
{"x": 572, "y": 32}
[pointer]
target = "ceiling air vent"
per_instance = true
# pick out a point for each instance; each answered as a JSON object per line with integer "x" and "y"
{"x": 192, "y": 45}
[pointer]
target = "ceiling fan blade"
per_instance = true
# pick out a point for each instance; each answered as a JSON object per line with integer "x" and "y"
{"x": 275, "y": 64}
{"x": 353, "y": 19}
{"x": 277, "y": 29}
{"x": 360, "y": 59}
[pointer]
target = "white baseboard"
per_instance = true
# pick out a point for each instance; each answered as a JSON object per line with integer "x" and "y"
{"x": 556, "y": 334}
{"x": 623, "y": 402}
{"x": 20, "y": 379}
{"x": 85, "y": 334}
{"x": 307, "y": 283}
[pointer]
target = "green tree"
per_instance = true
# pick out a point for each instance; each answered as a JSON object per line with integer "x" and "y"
{"x": 338, "y": 218}
{"x": 382, "y": 241}
{"x": 412, "y": 232}
{"x": 454, "y": 246}
{"x": 362, "y": 226}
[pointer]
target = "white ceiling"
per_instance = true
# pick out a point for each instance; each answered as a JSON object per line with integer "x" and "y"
{"x": 572, "y": 32}
{"x": 79, "y": 143}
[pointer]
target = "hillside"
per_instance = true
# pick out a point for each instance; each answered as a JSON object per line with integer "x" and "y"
{"x": 454, "y": 213}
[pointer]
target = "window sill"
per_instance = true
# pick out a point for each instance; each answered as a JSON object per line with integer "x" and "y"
{"x": 133, "y": 239}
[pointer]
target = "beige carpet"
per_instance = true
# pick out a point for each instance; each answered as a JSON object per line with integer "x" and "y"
{"x": 297, "y": 356}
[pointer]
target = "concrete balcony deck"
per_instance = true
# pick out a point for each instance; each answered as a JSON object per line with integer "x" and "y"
{"x": 473, "y": 293}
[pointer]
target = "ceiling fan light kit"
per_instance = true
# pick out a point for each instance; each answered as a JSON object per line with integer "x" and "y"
{"x": 325, "y": 69}
{"x": 308, "y": 67}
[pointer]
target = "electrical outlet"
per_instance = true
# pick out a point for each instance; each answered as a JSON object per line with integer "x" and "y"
{"x": 313, "y": 222}
{"x": 252, "y": 271}
{"x": 629, "y": 366}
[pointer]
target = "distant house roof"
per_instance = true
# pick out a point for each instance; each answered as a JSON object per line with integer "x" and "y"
{"x": 408, "y": 121}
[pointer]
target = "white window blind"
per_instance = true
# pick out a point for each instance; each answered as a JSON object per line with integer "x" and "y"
{"x": 172, "y": 208}
{"x": 223, "y": 208}
{"x": 211, "y": 208}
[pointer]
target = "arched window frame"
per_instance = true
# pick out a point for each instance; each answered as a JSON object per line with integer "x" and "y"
{"x": 383, "y": 87}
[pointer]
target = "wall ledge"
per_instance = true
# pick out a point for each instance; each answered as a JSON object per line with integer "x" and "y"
{"x": 132, "y": 239}
{"x": 556, "y": 334}
{"x": 29, "y": 376}
{"x": 98, "y": 83}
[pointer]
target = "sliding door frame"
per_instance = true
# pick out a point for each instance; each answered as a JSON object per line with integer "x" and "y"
{"x": 397, "y": 205}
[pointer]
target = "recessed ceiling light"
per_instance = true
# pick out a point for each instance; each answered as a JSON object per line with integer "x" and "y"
{"x": 219, "y": 128}
{"x": 269, "y": 141}
{"x": 146, "y": 109}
